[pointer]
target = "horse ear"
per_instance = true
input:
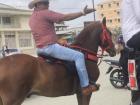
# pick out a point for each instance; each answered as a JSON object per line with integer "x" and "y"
{"x": 104, "y": 21}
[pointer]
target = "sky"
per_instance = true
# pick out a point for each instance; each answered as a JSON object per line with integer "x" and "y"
{"x": 62, "y": 6}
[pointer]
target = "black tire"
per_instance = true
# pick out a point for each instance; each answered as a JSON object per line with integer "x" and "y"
{"x": 117, "y": 79}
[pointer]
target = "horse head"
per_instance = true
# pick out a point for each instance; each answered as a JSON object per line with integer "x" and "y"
{"x": 94, "y": 35}
{"x": 106, "y": 40}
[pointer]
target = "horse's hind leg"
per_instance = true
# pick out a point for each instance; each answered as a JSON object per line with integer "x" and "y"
{"x": 10, "y": 98}
{"x": 1, "y": 103}
{"x": 83, "y": 100}
{"x": 10, "y": 101}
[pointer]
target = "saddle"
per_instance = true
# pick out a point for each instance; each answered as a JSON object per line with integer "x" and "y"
{"x": 70, "y": 66}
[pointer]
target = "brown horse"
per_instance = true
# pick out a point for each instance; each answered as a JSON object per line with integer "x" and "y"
{"x": 21, "y": 74}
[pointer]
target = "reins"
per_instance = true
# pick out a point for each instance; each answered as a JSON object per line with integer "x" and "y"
{"x": 89, "y": 55}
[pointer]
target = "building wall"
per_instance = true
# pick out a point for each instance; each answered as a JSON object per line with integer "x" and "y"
{"x": 15, "y": 31}
{"x": 24, "y": 22}
{"x": 111, "y": 10}
{"x": 18, "y": 39}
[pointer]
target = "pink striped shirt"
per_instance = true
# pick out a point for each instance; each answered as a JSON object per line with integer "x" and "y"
{"x": 42, "y": 26}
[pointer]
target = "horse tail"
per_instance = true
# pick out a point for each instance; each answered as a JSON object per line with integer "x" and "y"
{"x": 1, "y": 103}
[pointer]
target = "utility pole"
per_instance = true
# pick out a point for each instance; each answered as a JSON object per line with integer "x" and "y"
{"x": 93, "y": 12}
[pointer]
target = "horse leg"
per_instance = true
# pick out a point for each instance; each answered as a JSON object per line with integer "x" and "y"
{"x": 83, "y": 100}
{"x": 8, "y": 100}
{"x": 1, "y": 103}
{"x": 12, "y": 101}
{"x": 13, "y": 97}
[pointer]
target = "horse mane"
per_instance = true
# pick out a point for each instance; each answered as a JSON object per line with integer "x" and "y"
{"x": 93, "y": 28}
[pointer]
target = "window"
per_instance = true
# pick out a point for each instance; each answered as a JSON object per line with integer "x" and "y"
{"x": 109, "y": 5}
{"x": 25, "y": 39}
{"x": 102, "y": 15}
{"x": 119, "y": 20}
{"x": 101, "y": 6}
{"x": 118, "y": 13}
{"x": 10, "y": 39}
{"x": 118, "y": 4}
{"x": 6, "y": 20}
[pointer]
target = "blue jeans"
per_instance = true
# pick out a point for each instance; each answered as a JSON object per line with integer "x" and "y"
{"x": 64, "y": 53}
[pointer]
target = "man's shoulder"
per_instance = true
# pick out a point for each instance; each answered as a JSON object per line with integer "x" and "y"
{"x": 43, "y": 10}
{"x": 49, "y": 12}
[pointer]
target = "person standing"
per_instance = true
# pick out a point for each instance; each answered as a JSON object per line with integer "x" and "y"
{"x": 42, "y": 26}
{"x": 130, "y": 23}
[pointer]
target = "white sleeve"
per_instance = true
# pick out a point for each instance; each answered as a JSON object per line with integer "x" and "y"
{"x": 136, "y": 8}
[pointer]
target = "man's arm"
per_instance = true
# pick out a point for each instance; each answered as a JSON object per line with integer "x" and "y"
{"x": 72, "y": 16}
{"x": 58, "y": 17}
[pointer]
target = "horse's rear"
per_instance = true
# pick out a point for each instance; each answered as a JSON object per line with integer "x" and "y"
{"x": 21, "y": 74}
{"x": 17, "y": 75}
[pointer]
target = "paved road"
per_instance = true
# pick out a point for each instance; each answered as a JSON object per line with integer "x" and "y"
{"x": 107, "y": 95}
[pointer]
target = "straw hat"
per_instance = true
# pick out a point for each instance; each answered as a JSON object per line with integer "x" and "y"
{"x": 32, "y": 3}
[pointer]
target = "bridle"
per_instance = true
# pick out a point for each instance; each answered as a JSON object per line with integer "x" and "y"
{"x": 106, "y": 40}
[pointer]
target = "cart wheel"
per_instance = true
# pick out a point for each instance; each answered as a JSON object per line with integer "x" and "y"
{"x": 117, "y": 78}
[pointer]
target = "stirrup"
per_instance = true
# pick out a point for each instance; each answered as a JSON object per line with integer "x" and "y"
{"x": 96, "y": 85}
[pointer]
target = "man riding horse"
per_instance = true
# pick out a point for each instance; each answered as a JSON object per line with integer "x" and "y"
{"x": 26, "y": 74}
{"x": 42, "y": 27}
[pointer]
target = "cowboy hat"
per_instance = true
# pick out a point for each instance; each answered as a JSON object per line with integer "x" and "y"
{"x": 32, "y": 4}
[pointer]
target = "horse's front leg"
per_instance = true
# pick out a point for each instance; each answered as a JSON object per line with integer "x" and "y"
{"x": 83, "y": 100}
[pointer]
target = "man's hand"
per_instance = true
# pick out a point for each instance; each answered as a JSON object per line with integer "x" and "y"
{"x": 88, "y": 10}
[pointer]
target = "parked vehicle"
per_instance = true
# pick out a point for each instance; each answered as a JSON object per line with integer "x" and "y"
{"x": 117, "y": 74}
{"x": 5, "y": 51}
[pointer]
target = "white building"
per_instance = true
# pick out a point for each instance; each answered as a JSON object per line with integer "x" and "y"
{"x": 14, "y": 29}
